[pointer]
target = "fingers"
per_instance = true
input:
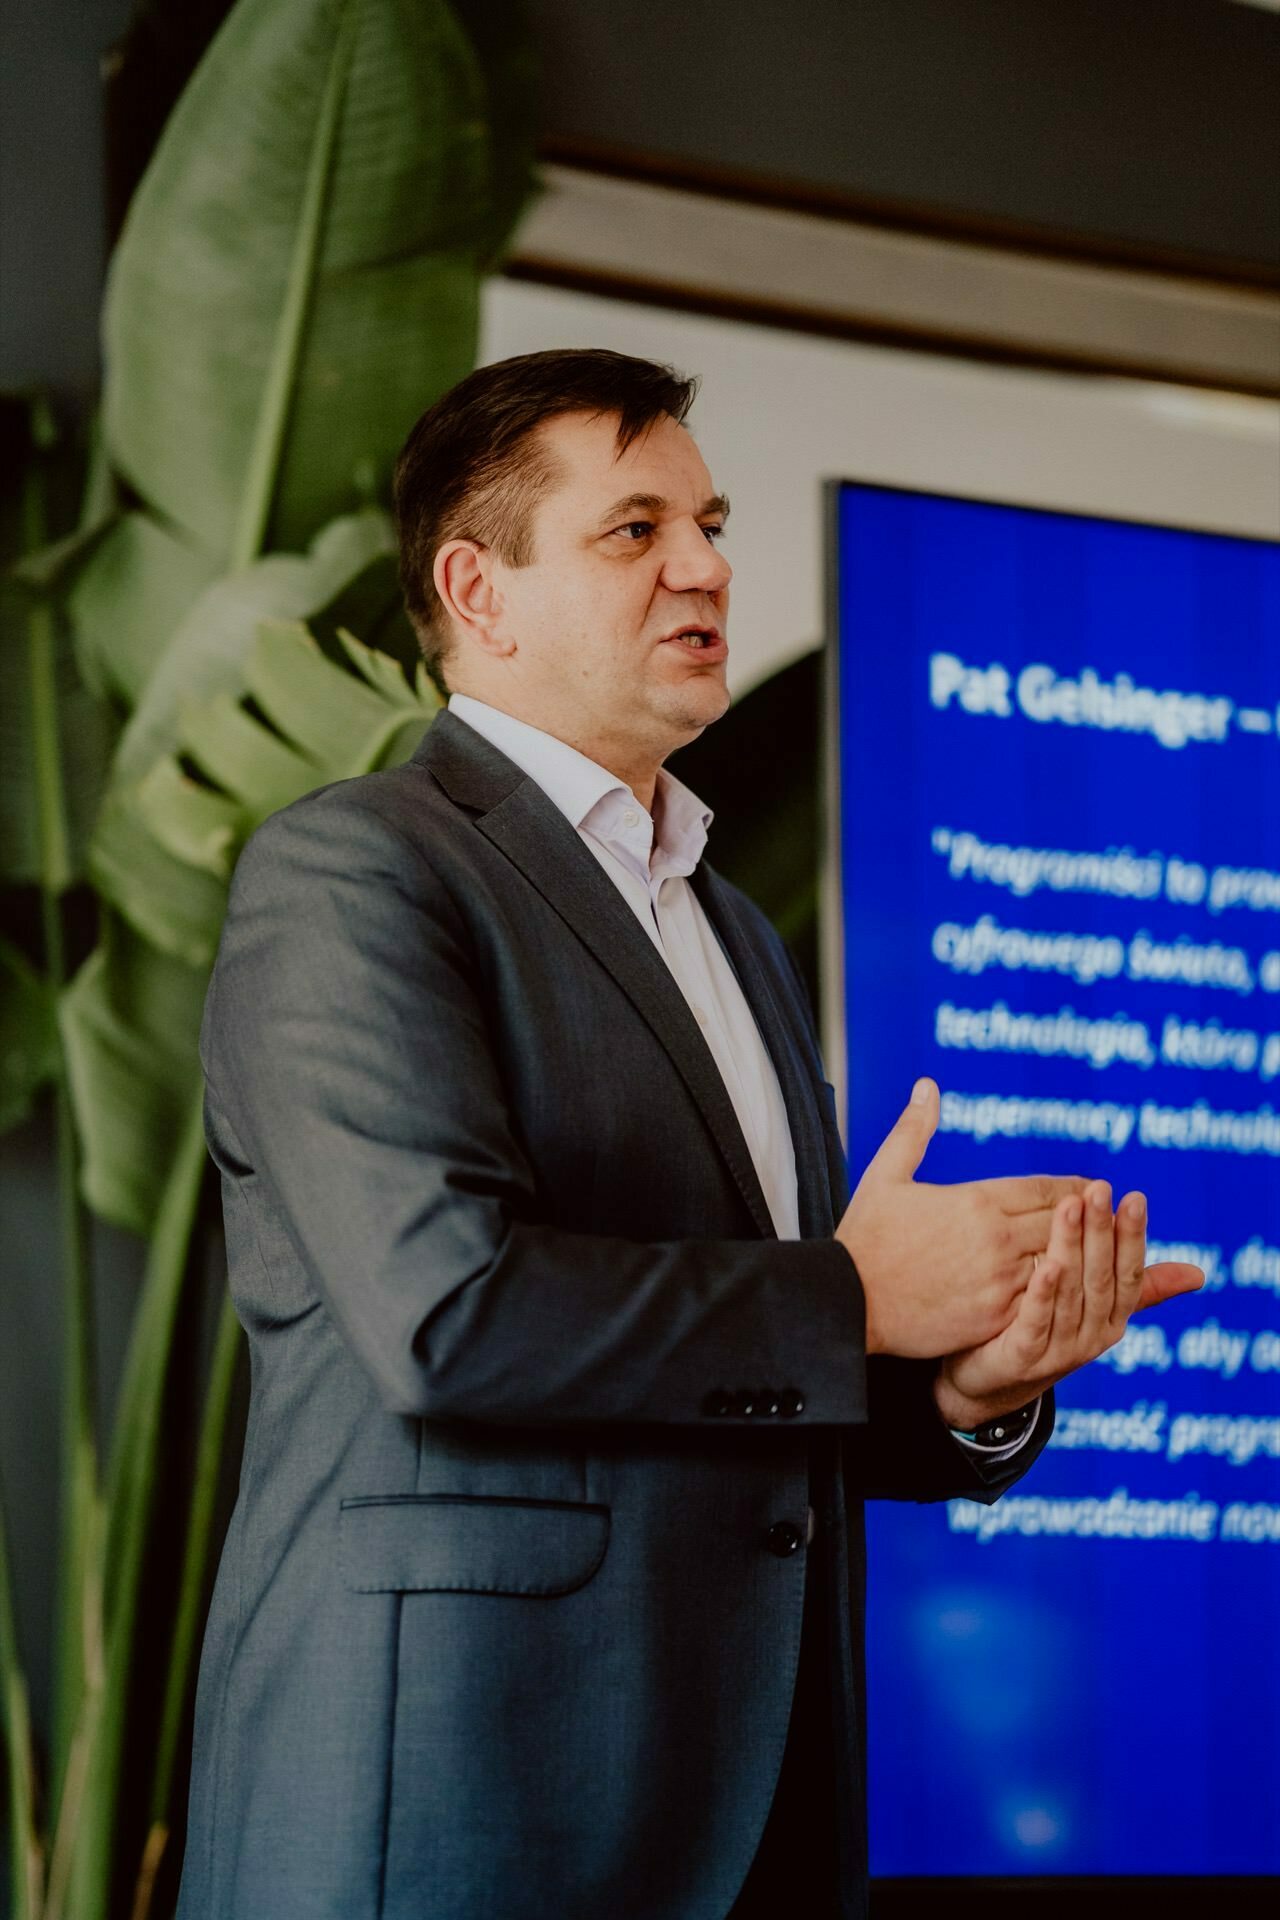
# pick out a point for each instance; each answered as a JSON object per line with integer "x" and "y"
{"x": 1029, "y": 1232}
{"x": 903, "y": 1147}
{"x": 1036, "y": 1310}
{"x": 1037, "y": 1193}
{"x": 1098, "y": 1301}
{"x": 1167, "y": 1279}
{"x": 1131, "y": 1256}
{"x": 1066, "y": 1252}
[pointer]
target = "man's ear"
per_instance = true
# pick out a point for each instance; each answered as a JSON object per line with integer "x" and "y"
{"x": 463, "y": 572}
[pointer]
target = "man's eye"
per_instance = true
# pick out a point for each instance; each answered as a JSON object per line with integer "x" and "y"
{"x": 646, "y": 524}
{"x": 716, "y": 533}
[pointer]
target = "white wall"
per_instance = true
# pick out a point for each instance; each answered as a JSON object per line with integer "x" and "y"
{"x": 779, "y": 412}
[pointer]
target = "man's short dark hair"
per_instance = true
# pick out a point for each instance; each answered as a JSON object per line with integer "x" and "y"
{"x": 473, "y": 468}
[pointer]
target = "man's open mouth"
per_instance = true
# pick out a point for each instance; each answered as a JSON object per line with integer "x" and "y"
{"x": 697, "y": 639}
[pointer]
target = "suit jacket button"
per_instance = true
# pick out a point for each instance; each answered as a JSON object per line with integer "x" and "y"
{"x": 717, "y": 1401}
{"x": 768, "y": 1400}
{"x": 743, "y": 1402}
{"x": 791, "y": 1401}
{"x": 783, "y": 1538}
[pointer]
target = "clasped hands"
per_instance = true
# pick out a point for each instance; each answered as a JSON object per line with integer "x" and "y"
{"x": 1011, "y": 1284}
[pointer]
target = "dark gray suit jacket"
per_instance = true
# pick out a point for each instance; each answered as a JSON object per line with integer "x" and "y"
{"x": 498, "y": 1631}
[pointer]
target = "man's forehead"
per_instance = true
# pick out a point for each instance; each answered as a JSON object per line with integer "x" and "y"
{"x": 662, "y": 462}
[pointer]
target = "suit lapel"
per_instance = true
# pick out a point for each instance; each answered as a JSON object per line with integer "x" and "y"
{"x": 517, "y": 817}
{"x": 798, "y": 1092}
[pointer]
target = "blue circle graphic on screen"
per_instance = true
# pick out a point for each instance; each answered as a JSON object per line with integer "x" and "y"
{"x": 1057, "y": 842}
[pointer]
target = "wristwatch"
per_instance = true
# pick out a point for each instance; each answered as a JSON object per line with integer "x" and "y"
{"x": 1003, "y": 1430}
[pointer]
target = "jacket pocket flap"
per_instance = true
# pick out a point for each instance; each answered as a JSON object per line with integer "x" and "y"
{"x": 470, "y": 1543}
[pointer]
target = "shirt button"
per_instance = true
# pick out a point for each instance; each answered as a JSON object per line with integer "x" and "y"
{"x": 631, "y": 818}
{"x": 700, "y": 1015}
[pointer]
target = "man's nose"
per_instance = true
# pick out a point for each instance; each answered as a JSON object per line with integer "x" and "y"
{"x": 695, "y": 562}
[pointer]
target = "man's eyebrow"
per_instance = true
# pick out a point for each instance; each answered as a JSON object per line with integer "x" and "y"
{"x": 654, "y": 503}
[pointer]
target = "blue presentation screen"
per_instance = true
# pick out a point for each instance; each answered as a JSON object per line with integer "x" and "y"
{"x": 1059, "y": 864}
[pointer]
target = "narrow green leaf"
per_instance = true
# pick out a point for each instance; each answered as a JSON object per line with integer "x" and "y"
{"x": 385, "y": 675}
{"x": 52, "y": 568}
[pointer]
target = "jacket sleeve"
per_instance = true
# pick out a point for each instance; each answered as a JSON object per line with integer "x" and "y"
{"x": 348, "y": 1060}
{"x": 906, "y": 1451}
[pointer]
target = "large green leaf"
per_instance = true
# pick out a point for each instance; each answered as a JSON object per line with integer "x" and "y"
{"x": 128, "y": 598}
{"x": 162, "y": 857}
{"x": 298, "y": 276}
{"x": 207, "y": 654}
{"x": 130, "y": 1021}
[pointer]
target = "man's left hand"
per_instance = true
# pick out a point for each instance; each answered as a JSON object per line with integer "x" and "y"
{"x": 1077, "y": 1303}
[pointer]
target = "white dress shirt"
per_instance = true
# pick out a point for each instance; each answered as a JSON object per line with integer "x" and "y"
{"x": 649, "y": 857}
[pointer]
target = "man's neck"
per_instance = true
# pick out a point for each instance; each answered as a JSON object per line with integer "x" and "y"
{"x": 618, "y": 757}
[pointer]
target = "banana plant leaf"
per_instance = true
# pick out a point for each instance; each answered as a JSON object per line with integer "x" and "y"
{"x": 302, "y": 341}
{"x": 344, "y": 721}
{"x": 162, "y": 860}
{"x": 371, "y": 605}
{"x": 130, "y": 1020}
{"x": 206, "y": 655}
{"x": 132, "y": 591}
{"x": 298, "y": 277}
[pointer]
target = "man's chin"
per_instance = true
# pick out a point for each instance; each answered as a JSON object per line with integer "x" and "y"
{"x": 692, "y": 711}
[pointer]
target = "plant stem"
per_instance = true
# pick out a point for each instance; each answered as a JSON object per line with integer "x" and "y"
{"x": 87, "y": 1832}
{"x": 26, "y": 1863}
{"x": 78, "y": 1577}
{"x": 195, "y": 1564}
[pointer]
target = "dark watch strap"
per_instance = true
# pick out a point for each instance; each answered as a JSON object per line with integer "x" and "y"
{"x": 1004, "y": 1430}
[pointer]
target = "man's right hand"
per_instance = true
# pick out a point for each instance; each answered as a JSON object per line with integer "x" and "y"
{"x": 942, "y": 1267}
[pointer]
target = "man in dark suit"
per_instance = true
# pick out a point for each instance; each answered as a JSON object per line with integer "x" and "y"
{"x": 573, "y": 1361}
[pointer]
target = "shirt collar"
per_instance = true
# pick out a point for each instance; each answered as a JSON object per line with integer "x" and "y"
{"x": 669, "y": 842}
